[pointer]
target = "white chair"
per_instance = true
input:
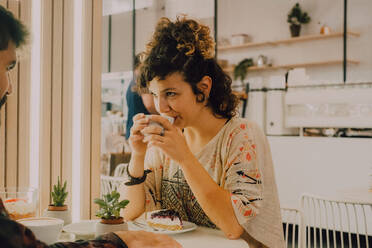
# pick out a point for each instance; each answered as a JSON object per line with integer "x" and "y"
{"x": 109, "y": 184}
{"x": 336, "y": 223}
{"x": 120, "y": 170}
{"x": 293, "y": 227}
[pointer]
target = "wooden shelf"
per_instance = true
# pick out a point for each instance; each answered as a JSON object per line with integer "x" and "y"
{"x": 290, "y": 66}
{"x": 289, "y": 41}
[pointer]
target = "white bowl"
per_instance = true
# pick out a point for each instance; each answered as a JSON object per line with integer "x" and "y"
{"x": 45, "y": 229}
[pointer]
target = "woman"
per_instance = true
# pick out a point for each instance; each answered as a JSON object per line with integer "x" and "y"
{"x": 212, "y": 167}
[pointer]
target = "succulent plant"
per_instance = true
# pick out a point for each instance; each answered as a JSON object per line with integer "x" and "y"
{"x": 110, "y": 205}
{"x": 296, "y": 16}
{"x": 59, "y": 194}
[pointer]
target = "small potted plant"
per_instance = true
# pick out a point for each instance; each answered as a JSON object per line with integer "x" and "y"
{"x": 58, "y": 208}
{"x": 109, "y": 213}
{"x": 296, "y": 17}
{"x": 240, "y": 70}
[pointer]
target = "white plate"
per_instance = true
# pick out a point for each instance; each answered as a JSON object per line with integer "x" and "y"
{"x": 187, "y": 227}
{"x": 66, "y": 237}
{"x": 84, "y": 229}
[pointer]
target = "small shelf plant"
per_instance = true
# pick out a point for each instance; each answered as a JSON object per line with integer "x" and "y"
{"x": 241, "y": 69}
{"x": 296, "y": 17}
{"x": 110, "y": 207}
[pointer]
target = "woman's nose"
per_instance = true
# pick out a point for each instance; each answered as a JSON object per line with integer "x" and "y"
{"x": 163, "y": 106}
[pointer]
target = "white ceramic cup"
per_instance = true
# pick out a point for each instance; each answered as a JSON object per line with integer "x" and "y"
{"x": 45, "y": 229}
{"x": 171, "y": 120}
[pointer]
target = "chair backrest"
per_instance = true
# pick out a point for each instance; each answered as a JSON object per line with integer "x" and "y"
{"x": 109, "y": 184}
{"x": 336, "y": 223}
{"x": 293, "y": 227}
{"x": 120, "y": 169}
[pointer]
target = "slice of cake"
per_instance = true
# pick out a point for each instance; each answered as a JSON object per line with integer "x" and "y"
{"x": 165, "y": 219}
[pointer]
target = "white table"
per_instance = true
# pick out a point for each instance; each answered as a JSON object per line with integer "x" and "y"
{"x": 203, "y": 237}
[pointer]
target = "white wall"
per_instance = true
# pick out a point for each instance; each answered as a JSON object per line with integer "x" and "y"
{"x": 319, "y": 165}
{"x": 121, "y": 42}
{"x": 266, "y": 20}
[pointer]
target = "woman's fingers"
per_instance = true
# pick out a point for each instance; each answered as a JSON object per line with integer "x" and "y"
{"x": 152, "y": 129}
{"x": 136, "y": 128}
{"x": 162, "y": 121}
{"x": 153, "y": 138}
{"x": 138, "y": 117}
{"x": 139, "y": 123}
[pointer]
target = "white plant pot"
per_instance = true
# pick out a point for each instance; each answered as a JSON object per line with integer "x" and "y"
{"x": 106, "y": 228}
{"x": 64, "y": 215}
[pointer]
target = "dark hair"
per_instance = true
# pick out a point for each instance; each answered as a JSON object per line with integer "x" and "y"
{"x": 186, "y": 46}
{"x": 137, "y": 61}
{"x": 11, "y": 29}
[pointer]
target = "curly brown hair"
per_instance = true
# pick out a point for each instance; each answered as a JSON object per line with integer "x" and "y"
{"x": 186, "y": 46}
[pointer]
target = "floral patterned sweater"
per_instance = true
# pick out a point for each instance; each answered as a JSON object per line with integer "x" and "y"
{"x": 14, "y": 235}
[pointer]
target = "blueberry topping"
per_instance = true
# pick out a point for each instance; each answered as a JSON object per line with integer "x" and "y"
{"x": 168, "y": 213}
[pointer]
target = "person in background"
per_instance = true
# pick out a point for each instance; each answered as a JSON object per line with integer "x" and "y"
{"x": 13, "y": 34}
{"x": 137, "y": 102}
{"x": 211, "y": 166}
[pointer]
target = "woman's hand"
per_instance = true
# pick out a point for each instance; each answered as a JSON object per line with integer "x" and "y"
{"x": 136, "y": 239}
{"x": 136, "y": 142}
{"x": 171, "y": 141}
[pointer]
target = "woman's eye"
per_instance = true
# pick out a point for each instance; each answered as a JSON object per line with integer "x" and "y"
{"x": 170, "y": 94}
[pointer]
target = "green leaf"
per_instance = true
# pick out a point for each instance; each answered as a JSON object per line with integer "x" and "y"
{"x": 100, "y": 202}
{"x": 123, "y": 203}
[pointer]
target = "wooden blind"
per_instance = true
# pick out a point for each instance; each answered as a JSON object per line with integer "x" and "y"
{"x": 91, "y": 107}
{"x": 56, "y": 107}
{"x": 56, "y": 97}
{"x": 56, "y": 100}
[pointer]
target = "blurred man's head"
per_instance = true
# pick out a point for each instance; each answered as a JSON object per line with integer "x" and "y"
{"x": 12, "y": 35}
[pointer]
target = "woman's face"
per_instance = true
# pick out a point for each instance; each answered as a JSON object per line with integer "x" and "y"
{"x": 174, "y": 97}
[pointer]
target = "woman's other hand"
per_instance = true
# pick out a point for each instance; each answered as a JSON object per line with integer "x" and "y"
{"x": 136, "y": 239}
{"x": 171, "y": 141}
{"x": 138, "y": 146}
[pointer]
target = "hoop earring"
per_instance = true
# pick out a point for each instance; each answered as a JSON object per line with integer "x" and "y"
{"x": 202, "y": 97}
